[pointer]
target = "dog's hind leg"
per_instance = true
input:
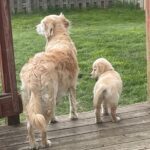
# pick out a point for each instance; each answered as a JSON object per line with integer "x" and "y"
{"x": 98, "y": 115}
{"x": 33, "y": 144}
{"x": 105, "y": 108}
{"x": 98, "y": 109}
{"x": 97, "y": 101}
{"x": 45, "y": 141}
{"x": 113, "y": 114}
{"x": 73, "y": 104}
{"x": 54, "y": 119}
{"x": 49, "y": 96}
{"x": 54, "y": 90}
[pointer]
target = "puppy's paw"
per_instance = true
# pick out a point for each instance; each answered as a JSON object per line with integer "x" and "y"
{"x": 34, "y": 146}
{"x": 73, "y": 116}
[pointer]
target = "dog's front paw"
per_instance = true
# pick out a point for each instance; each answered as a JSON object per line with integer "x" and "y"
{"x": 73, "y": 116}
{"x": 117, "y": 119}
{"x": 47, "y": 144}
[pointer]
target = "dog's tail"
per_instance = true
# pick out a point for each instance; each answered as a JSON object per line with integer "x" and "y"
{"x": 34, "y": 112}
{"x": 99, "y": 96}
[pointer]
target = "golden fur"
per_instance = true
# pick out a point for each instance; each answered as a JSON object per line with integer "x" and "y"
{"x": 107, "y": 89}
{"x": 48, "y": 76}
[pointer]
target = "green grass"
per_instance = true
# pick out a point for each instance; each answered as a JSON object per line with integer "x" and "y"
{"x": 116, "y": 34}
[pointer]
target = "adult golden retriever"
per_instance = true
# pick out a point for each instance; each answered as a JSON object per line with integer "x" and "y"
{"x": 48, "y": 76}
{"x": 107, "y": 89}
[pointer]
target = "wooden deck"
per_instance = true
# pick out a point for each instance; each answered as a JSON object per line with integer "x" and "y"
{"x": 131, "y": 133}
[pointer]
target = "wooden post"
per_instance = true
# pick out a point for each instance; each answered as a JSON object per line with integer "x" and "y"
{"x": 9, "y": 101}
{"x": 148, "y": 46}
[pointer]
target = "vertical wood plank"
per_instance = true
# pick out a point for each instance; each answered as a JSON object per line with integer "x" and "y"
{"x": 71, "y": 4}
{"x": 48, "y": 3}
{"x": 12, "y": 6}
{"x": 19, "y": 6}
{"x": 37, "y": 4}
{"x": 84, "y": 4}
{"x": 106, "y": 3}
{"x": 52, "y": 3}
{"x": 76, "y": 3}
{"x": 1, "y": 73}
{"x": 148, "y": 46}
{"x": 142, "y": 4}
{"x": 45, "y": 4}
{"x": 28, "y": 6}
{"x": 61, "y": 3}
{"x": 99, "y": 3}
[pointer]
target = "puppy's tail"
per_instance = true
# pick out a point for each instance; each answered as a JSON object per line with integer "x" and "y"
{"x": 34, "y": 112}
{"x": 99, "y": 96}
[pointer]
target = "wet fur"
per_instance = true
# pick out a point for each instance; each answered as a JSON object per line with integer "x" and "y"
{"x": 107, "y": 89}
{"x": 48, "y": 76}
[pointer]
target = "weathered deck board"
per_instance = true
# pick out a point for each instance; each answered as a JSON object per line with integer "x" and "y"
{"x": 86, "y": 124}
{"x": 131, "y": 133}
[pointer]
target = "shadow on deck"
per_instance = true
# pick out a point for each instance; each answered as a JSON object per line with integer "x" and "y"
{"x": 131, "y": 133}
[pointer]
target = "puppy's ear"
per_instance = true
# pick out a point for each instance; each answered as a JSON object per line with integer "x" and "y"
{"x": 66, "y": 22}
{"x": 101, "y": 67}
{"x": 49, "y": 29}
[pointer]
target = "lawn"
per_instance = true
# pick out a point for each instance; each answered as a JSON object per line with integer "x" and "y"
{"x": 116, "y": 34}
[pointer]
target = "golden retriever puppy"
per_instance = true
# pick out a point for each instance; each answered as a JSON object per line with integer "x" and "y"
{"x": 48, "y": 76}
{"x": 107, "y": 89}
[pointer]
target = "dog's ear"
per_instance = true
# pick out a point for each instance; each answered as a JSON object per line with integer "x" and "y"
{"x": 49, "y": 29}
{"x": 61, "y": 14}
{"x": 45, "y": 29}
{"x": 101, "y": 68}
{"x": 105, "y": 66}
{"x": 66, "y": 22}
